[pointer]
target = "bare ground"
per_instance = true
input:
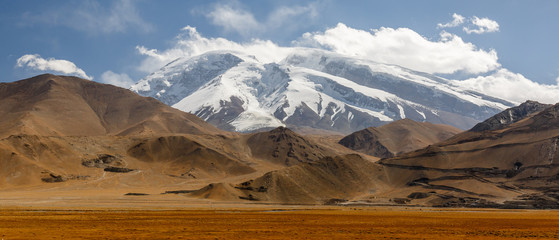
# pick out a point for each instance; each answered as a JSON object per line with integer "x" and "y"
{"x": 268, "y": 222}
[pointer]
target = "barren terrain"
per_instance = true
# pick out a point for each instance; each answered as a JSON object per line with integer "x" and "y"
{"x": 265, "y": 222}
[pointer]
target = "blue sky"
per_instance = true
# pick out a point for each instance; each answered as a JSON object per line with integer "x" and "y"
{"x": 497, "y": 47}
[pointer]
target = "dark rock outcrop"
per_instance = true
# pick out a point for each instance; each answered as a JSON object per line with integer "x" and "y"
{"x": 511, "y": 115}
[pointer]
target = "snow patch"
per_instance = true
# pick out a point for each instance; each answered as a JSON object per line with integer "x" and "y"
{"x": 402, "y": 113}
{"x": 254, "y": 120}
{"x": 422, "y": 114}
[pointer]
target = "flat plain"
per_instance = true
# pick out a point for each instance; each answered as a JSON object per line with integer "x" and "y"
{"x": 276, "y": 223}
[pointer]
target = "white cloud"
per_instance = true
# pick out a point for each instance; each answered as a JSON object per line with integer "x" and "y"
{"x": 120, "y": 80}
{"x": 92, "y": 18}
{"x": 190, "y": 43}
{"x": 483, "y": 25}
{"x": 474, "y": 24}
{"x": 406, "y": 48}
{"x": 456, "y": 21}
{"x": 233, "y": 18}
{"x": 35, "y": 62}
{"x": 284, "y": 13}
{"x": 513, "y": 87}
{"x": 401, "y": 46}
{"x": 291, "y": 18}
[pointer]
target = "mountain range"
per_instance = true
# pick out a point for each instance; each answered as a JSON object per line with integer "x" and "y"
{"x": 513, "y": 166}
{"x": 65, "y": 136}
{"x": 311, "y": 88}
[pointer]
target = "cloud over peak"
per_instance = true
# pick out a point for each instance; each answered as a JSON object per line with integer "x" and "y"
{"x": 191, "y": 43}
{"x": 35, "y": 62}
{"x": 401, "y": 46}
{"x": 513, "y": 87}
{"x": 407, "y": 48}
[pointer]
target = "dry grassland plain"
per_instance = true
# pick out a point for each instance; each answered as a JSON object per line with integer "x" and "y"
{"x": 321, "y": 223}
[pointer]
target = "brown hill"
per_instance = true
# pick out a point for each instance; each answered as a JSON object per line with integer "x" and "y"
{"x": 184, "y": 157}
{"x": 330, "y": 179}
{"x": 219, "y": 192}
{"x": 50, "y": 105}
{"x": 101, "y": 162}
{"x": 58, "y": 129}
{"x": 285, "y": 147}
{"x": 397, "y": 137}
{"x": 518, "y": 162}
{"x": 27, "y": 160}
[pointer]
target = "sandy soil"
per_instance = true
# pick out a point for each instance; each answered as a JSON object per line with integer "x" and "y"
{"x": 281, "y": 222}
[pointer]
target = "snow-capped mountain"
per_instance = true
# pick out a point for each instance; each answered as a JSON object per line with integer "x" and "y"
{"x": 311, "y": 88}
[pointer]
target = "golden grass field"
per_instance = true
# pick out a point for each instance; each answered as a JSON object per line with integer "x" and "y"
{"x": 281, "y": 223}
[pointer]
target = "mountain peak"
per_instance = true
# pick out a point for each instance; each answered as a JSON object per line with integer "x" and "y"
{"x": 51, "y": 105}
{"x": 546, "y": 119}
{"x": 285, "y": 147}
{"x": 311, "y": 88}
{"x": 510, "y": 115}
